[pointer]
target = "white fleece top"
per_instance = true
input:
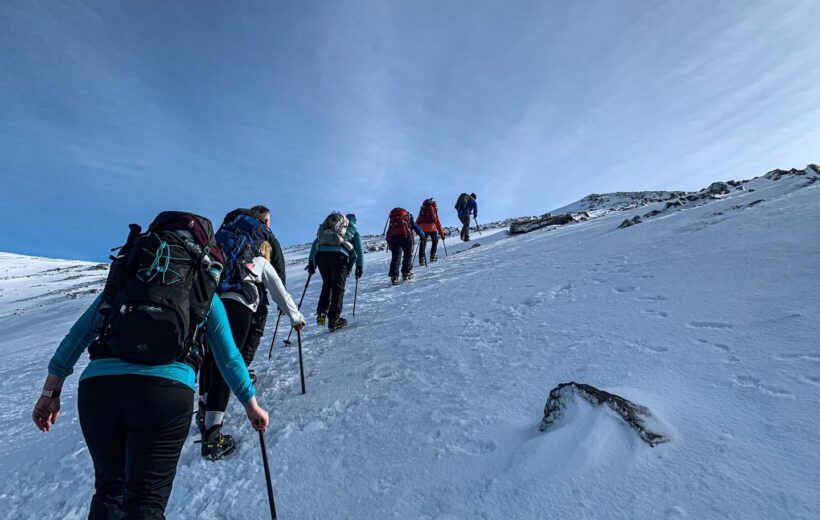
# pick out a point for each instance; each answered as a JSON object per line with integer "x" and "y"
{"x": 261, "y": 271}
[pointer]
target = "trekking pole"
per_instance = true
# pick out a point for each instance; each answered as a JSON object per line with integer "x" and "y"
{"x": 267, "y": 475}
{"x": 355, "y": 296}
{"x": 478, "y": 228}
{"x": 444, "y": 243}
{"x": 275, "y": 330}
{"x": 287, "y": 341}
{"x": 301, "y": 363}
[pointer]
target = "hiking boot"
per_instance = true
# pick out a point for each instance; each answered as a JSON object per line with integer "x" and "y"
{"x": 422, "y": 261}
{"x": 337, "y": 324}
{"x": 216, "y": 446}
{"x": 394, "y": 280}
{"x": 434, "y": 259}
{"x": 407, "y": 275}
{"x": 252, "y": 375}
{"x": 320, "y": 319}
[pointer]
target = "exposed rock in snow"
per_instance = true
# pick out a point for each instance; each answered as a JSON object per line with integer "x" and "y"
{"x": 717, "y": 188}
{"x": 518, "y": 228}
{"x": 637, "y": 416}
{"x": 626, "y": 223}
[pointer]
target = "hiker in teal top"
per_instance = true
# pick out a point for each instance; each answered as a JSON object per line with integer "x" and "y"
{"x": 351, "y": 236}
{"x": 135, "y": 418}
{"x": 337, "y": 247}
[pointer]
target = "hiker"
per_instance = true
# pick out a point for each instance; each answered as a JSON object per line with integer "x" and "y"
{"x": 429, "y": 222}
{"x": 248, "y": 275}
{"x": 135, "y": 397}
{"x": 260, "y": 317}
{"x": 400, "y": 241}
{"x": 337, "y": 247}
{"x": 466, "y": 204}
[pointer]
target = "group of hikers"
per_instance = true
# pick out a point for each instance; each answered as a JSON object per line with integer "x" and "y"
{"x": 182, "y": 305}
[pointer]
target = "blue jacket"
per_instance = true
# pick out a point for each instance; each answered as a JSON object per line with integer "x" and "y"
{"x": 220, "y": 339}
{"x": 470, "y": 207}
{"x": 351, "y": 236}
{"x": 416, "y": 227}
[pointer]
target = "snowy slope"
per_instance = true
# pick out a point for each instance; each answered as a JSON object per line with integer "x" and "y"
{"x": 428, "y": 406}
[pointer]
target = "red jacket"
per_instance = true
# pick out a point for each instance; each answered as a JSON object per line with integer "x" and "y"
{"x": 430, "y": 225}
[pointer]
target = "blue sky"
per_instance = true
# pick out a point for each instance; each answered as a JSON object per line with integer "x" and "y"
{"x": 111, "y": 111}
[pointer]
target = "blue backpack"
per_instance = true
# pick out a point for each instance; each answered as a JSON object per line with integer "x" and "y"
{"x": 240, "y": 237}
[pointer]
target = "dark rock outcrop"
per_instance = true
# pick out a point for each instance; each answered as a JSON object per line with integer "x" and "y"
{"x": 519, "y": 228}
{"x": 638, "y": 417}
{"x": 717, "y": 188}
{"x": 630, "y": 222}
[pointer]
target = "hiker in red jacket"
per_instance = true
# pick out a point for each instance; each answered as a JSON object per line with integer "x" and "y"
{"x": 429, "y": 222}
{"x": 400, "y": 228}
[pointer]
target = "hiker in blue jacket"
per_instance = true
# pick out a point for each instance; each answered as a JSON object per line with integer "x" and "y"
{"x": 337, "y": 247}
{"x": 135, "y": 418}
{"x": 467, "y": 207}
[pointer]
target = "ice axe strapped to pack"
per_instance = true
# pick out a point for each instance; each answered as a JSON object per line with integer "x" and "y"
{"x": 159, "y": 291}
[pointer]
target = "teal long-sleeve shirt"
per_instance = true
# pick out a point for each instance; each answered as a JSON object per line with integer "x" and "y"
{"x": 220, "y": 339}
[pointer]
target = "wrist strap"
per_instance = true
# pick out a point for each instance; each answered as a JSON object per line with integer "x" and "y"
{"x": 51, "y": 394}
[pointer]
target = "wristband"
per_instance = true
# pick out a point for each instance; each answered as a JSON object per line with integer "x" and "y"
{"x": 51, "y": 394}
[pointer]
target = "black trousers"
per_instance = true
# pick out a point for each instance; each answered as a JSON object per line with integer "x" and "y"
{"x": 219, "y": 393}
{"x": 401, "y": 247}
{"x": 465, "y": 228}
{"x": 256, "y": 331}
{"x": 135, "y": 427}
{"x": 433, "y": 236}
{"x": 334, "y": 268}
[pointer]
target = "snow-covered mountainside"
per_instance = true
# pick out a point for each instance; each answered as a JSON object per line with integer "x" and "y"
{"x": 428, "y": 406}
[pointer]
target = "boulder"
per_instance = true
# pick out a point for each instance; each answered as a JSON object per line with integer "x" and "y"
{"x": 626, "y": 223}
{"x": 674, "y": 203}
{"x": 519, "y": 228}
{"x": 638, "y": 417}
{"x": 717, "y": 188}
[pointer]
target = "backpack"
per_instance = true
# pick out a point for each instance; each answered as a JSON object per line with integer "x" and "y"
{"x": 399, "y": 223}
{"x": 427, "y": 213}
{"x": 461, "y": 203}
{"x": 159, "y": 291}
{"x": 240, "y": 237}
{"x": 333, "y": 231}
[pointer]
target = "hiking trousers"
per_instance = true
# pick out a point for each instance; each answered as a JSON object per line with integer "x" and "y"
{"x": 401, "y": 247}
{"x": 256, "y": 330}
{"x": 334, "y": 268}
{"x": 433, "y": 236}
{"x": 134, "y": 427}
{"x": 465, "y": 228}
{"x": 239, "y": 317}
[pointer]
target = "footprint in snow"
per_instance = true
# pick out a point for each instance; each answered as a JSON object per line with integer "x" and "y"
{"x": 657, "y": 298}
{"x": 798, "y": 357}
{"x": 624, "y": 289}
{"x": 713, "y": 325}
{"x": 812, "y": 380}
{"x": 748, "y": 381}
{"x": 655, "y": 313}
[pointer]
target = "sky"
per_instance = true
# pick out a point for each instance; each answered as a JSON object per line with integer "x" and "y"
{"x": 111, "y": 111}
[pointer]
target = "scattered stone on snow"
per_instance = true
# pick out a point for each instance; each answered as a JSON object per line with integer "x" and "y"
{"x": 636, "y": 416}
{"x": 518, "y": 228}
{"x": 630, "y": 222}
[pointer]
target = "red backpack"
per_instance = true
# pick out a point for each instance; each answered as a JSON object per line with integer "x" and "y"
{"x": 427, "y": 213}
{"x": 399, "y": 224}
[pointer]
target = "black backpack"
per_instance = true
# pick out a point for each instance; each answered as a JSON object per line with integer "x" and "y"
{"x": 159, "y": 291}
{"x": 461, "y": 203}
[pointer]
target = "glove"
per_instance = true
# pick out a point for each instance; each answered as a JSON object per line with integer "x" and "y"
{"x": 359, "y": 271}
{"x": 311, "y": 269}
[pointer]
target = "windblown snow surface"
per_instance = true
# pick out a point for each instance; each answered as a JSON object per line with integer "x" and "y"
{"x": 428, "y": 405}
